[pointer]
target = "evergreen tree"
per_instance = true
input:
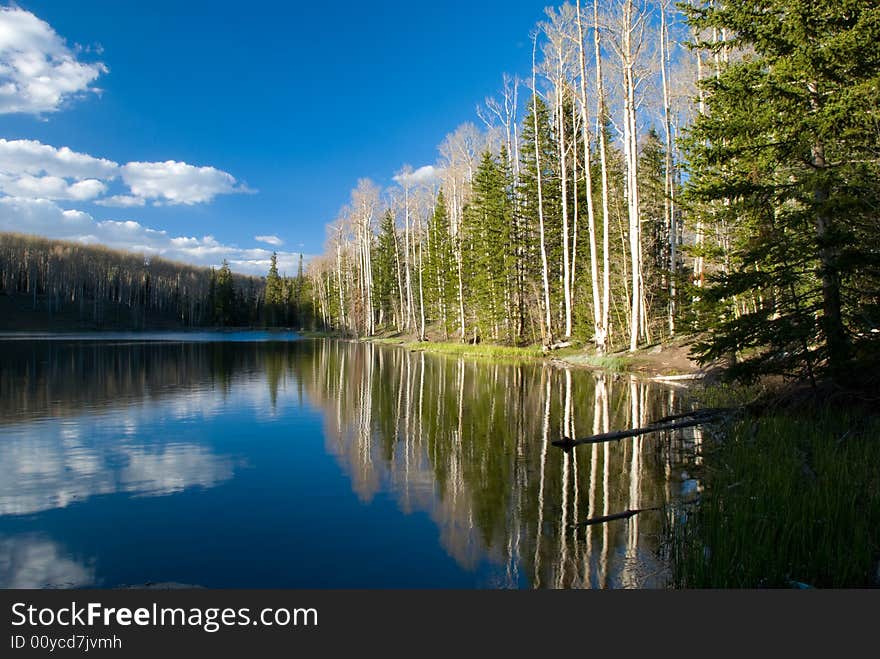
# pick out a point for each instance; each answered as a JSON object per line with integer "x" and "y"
{"x": 527, "y": 221}
{"x": 784, "y": 167}
{"x": 298, "y": 301}
{"x": 488, "y": 248}
{"x": 384, "y": 261}
{"x": 655, "y": 239}
{"x": 440, "y": 267}
{"x": 274, "y": 298}
{"x": 224, "y": 296}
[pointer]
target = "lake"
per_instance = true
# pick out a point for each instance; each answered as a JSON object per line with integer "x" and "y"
{"x": 272, "y": 461}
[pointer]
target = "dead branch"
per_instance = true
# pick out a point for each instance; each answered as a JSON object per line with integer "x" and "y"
{"x": 696, "y": 418}
{"x": 626, "y": 514}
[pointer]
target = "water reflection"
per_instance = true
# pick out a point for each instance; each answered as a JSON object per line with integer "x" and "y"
{"x": 60, "y": 466}
{"x": 470, "y": 444}
{"x": 291, "y": 446}
{"x": 33, "y": 561}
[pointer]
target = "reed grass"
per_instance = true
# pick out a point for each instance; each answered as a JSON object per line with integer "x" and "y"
{"x": 478, "y": 350}
{"x": 790, "y": 499}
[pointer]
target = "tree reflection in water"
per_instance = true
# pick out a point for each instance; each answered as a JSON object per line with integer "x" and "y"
{"x": 469, "y": 442}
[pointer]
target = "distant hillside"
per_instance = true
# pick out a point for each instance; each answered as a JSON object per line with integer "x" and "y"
{"x": 54, "y": 284}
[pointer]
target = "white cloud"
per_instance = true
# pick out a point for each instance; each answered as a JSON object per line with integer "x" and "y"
{"x": 121, "y": 201}
{"x": 34, "y": 561}
{"x": 31, "y": 169}
{"x": 31, "y": 157}
{"x": 423, "y": 175}
{"x": 178, "y": 182}
{"x": 42, "y": 217}
{"x": 45, "y": 218}
{"x": 50, "y": 187}
{"x": 269, "y": 240}
{"x": 38, "y": 72}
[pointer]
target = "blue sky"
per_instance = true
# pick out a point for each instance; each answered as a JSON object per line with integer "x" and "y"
{"x": 294, "y": 101}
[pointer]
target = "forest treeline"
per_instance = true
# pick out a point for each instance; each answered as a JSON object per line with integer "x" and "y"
{"x": 708, "y": 167}
{"x": 60, "y": 284}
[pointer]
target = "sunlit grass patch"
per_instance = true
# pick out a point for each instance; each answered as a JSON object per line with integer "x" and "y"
{"x": 478, "y": 350}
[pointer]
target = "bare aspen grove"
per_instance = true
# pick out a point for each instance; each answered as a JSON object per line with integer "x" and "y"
{"x": 555, "y": 219}
{"x": 60, "y": 284}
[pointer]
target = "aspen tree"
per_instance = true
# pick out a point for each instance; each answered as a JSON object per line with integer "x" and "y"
{"x": 547, "y": 329}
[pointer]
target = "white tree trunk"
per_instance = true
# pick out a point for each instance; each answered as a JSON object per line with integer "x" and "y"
{"x": 406, "y": 259}
{"x": 548, "y": 333}
{"x": 631, "y": 154}
{"x": 566, "y": 263}
{"x": 598, "y": 330}
{"x": 668, "y": 183}
{"x": 602, "y": 342}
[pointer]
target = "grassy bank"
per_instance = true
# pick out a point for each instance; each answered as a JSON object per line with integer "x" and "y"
{"x": 479, "y": 350}
{"x": 667, "y": 359}
{"x": 487, "y": 350}
{"x": 615, "y": 363}
{"x": 791, "y": 497}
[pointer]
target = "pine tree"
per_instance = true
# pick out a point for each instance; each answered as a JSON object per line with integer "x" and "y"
{"x": 784, "y": 167}
{"x": 440, "y": 268}
{"x": 274, "y": 292}
{"x": 527, "y": 222}
{"x": 655, "y": 266}
{"x": 224, "y": 296}
{"x": 488, "y": 249}
{"x": 298, "y": 295}
{"x": 385, "y": 269}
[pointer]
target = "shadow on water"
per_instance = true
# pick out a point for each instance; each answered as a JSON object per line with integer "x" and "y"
{"x": 324, "y": 463}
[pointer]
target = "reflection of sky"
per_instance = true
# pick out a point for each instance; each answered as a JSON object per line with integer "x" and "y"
{"x": 142, "y": 449}
{"x": 292, "y": 518}
{"x": 33, "y": 561}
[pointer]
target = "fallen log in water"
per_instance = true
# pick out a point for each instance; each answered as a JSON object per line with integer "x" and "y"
{"x": 712, "y": 412}
{"x": 626, "y": 514}
{"x": 687, "y": 420}
{"x": 675, "y": 378}
{"x": 556, "y": 346}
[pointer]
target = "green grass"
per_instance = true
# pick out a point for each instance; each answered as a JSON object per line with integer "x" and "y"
{"x": 789, "y": 498}
{"x": 727, "y": 395}
{"x": 392, "y": 341}
{"x": 478, "y": 350}
{"x": 610, "y": 362}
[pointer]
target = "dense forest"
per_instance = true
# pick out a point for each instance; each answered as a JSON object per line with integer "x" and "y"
{"x": 62, "y": 285}
{"x": 705, "y": 168}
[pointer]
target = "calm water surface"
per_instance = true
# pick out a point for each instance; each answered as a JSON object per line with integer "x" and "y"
{"x": 264, "y": 460}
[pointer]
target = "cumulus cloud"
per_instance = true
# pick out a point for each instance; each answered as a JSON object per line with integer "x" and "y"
{"x": 421, "y": 176}
{"x": 178, "y": 182}
{"x": 269, "y": 240}
{"x": 121, "y": 201}
{"x": 35, "y": 561}
{"x": 38, "y": 72}
{"x": 31, "y": 169}
{"x": 50, "y": 187}
{"x": 44, "y": 217}
{"x": 35, "y": 158}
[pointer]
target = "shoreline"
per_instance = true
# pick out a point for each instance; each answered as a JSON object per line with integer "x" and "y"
{"x": 664, "y": 362}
